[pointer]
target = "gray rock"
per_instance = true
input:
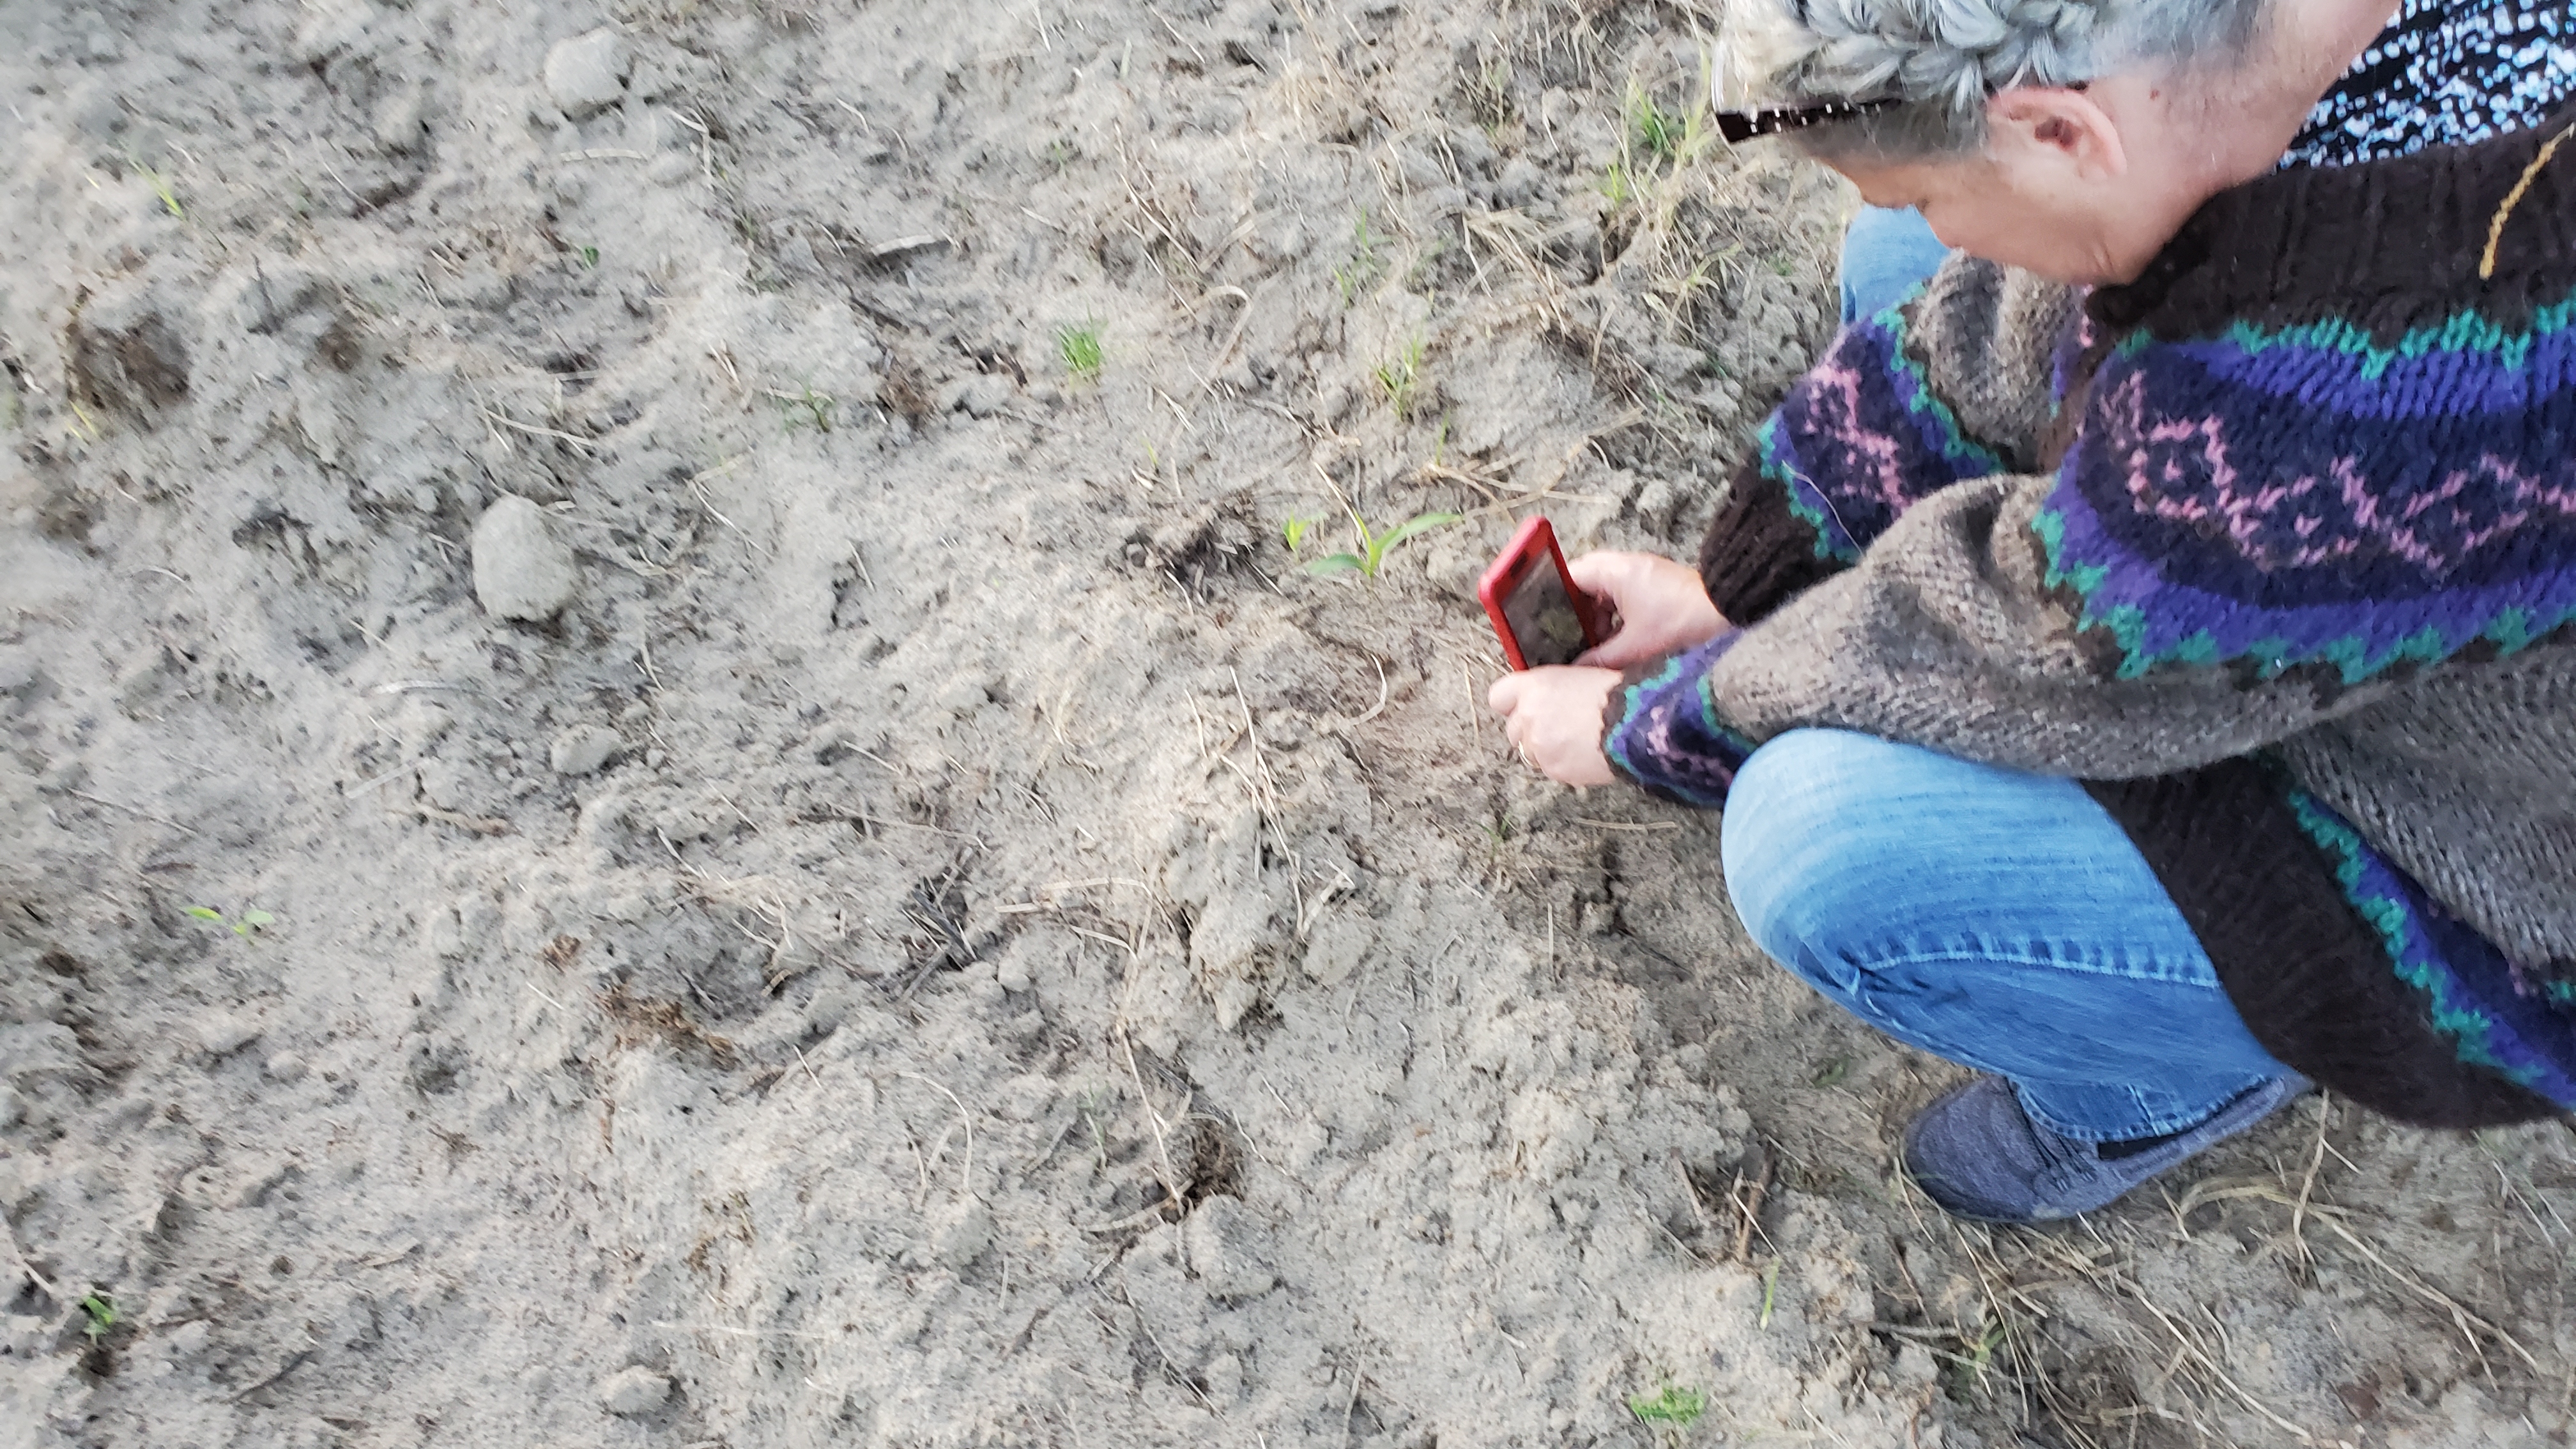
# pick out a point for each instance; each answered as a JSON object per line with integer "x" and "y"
{"x": 981, "y": 395}
{"x": 633, "y": 1392}
{"x": 402, "y": 118}
{"x": 1224, "y": 1242}
{"x": 223, "y": 1033}
{"x": 285, "y": 1067}
{"x": 521, "y": 569}
{"x": 587, "y": 74}
{"x": 583, "y": 749}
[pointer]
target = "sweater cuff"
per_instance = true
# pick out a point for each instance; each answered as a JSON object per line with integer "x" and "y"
{"x": 1661, "y": 730}
{"x": 1759, "y": 552}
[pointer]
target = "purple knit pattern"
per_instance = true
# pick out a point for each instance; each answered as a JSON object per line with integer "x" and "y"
{"x": 2289, "y": 500}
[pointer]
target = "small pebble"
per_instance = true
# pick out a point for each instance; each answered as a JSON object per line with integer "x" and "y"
{"x": 587, "y": 74}
{"x": 634, "y": 1392}
{"x": 224, "y": 1033}
{"x": 284, "y": 1067}
{"x": 521, "y": 569}
{"x": 583, "y": 749}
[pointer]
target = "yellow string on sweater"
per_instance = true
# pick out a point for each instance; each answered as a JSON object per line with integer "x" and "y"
{"x": 2513, "y": 198}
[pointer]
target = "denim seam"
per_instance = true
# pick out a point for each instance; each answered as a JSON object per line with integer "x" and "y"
{"x": 2210, "y": 980}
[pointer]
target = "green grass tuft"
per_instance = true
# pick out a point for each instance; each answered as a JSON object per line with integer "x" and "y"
{"x": 1677, "y": 1406}
{"x": 1082, "y": 350}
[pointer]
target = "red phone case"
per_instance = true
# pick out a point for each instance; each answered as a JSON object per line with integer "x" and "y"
{"x": 1533, "y": 545}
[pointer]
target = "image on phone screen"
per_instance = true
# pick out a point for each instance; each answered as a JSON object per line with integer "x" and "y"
{"x": 1543, "y": 620}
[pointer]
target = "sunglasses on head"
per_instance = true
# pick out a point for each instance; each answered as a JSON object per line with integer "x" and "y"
{"x": 1739, "y": 127}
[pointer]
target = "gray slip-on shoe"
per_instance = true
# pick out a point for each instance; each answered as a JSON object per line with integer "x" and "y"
{"x": 1978, "y": 1154}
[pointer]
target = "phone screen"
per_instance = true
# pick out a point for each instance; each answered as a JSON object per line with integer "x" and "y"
{"x": 1543, "y": 620}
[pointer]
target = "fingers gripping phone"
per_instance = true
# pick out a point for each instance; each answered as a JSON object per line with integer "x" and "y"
{"x": 1541, "y": 617}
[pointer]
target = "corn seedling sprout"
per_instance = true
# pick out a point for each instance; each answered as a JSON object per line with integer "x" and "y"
{"x": 1374, "y": 547}
{"x": 101, "y": 1312}
{"x": 1400, "y": 378}
{"x": 246, "y": 926}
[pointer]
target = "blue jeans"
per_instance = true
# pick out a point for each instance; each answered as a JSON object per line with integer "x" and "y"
{"x": 1999, "y": 919}
{"x": 1885, "y": 253}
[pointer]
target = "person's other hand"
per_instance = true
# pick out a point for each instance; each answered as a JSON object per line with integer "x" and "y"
{"x": 1663, "y": 607}
{"x": 1553, "y": 716}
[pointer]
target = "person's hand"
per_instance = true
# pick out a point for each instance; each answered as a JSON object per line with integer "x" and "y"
{"x": 1663, "y": 607}
{"x": 1553, "y": 716}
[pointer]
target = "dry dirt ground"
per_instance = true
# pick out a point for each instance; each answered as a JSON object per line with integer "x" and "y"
{"x": 948, "y": 934}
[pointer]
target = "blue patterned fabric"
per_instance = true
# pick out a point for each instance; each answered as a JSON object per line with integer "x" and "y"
{"x": 2444, "y": 73}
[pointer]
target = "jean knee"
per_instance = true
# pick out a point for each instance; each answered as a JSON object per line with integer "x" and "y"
{"x": 1789, "y": 844}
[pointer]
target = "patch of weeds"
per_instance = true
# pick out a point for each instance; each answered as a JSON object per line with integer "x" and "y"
{"x": 246, "y": 926}
{"x": 1677, "y": 1406}
{"x": 1659, "y": 133}
{"x": 1781, "y": 264}
{"x": 1833, "y": 1073}
{"x": 1367, "y": 264}
{"x": 1082, "y": 350}
{"x": 1491, "y": 95}
{"x": 1374, "y": 547}
{"x": 1060, "y": 154}
{"x": 808, "y": 408}
{"x": 1618, "y": 185}
{"x": 1400, "y": 378}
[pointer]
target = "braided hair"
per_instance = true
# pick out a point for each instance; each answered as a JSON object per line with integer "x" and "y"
{"x": 1941, "y": 59}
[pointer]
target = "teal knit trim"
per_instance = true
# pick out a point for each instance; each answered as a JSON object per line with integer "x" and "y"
{"x": 2511, "y": 630}
{"x": 1968, "y": 458}
{"x": 2462, "y": 332}
{"x": 1632, "y": 699}
{"x": 2460, "y": 1020}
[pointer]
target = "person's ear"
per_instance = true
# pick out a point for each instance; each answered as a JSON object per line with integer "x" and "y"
{"x": 2059, "y": 128}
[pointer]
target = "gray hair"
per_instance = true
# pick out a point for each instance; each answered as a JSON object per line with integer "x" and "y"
{"x": 1943, "y": 58}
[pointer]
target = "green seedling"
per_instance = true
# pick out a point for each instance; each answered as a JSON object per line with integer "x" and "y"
{"x": 1081, "y": 349}
{"x": 1367, "y": 266}
{"x": 1834, "y": 1072}
{"x": 1659, "y": 133}
{"x": 808, "y": 408}
{"x": 1401, "y": 379}
{"x": 101, "y": 1312}
{"x": 1374, "y": 547}
{"x": 160, "y": 185}
{"x": 1617, "y": 185}
{"x": 590, "y": 256}
{"x": 1981, "y": 1354}
{"x": 1677, "y": 1406}
{"x": 1094, "y": 1106}
{"x": 246, "y": 927}
{"x": 1770, "y": 1292}
{"x": 1294, "y": 530}
{"x": 1493, "y": 94}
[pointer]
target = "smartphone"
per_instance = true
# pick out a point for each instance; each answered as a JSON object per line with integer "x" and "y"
{"x": 1541, "y": 617}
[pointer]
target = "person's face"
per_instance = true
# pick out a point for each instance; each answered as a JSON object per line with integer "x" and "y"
{"x": 2062, "y": 189}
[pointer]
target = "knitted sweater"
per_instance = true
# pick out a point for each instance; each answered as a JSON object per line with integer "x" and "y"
{"x": 2274, "y": 548}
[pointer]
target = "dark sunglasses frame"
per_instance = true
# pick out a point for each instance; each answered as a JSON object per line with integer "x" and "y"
{"x": 1739, "y": 127}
